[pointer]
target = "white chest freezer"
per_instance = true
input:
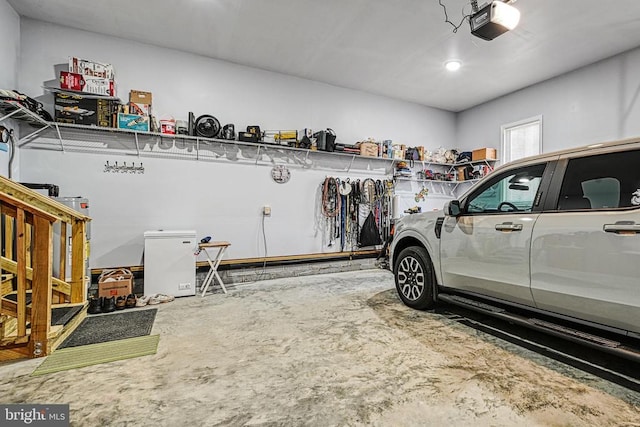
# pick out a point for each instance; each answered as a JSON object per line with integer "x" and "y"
{"x": 170, "y": 262}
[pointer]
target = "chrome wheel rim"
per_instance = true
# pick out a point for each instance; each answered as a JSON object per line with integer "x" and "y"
{"x": 410, "y": 278}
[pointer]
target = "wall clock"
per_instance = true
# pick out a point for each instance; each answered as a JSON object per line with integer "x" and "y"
{"x": 5, "y": 134}
{"x": 280, "y": 174}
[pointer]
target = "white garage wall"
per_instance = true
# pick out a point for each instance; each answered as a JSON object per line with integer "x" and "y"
{"x": 9, "y": 52}
{"x": 183, "y": 82}
{"x": 595, "y": 103}
{"x": 221, "y": 199}
{"x": 10, "y": 46}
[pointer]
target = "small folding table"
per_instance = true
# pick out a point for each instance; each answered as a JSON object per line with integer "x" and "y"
{"x": 214, "y": 262}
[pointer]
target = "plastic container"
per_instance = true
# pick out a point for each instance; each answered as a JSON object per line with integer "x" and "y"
{"x": 168, "y": 125}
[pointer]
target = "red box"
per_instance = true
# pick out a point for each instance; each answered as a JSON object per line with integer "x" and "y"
{"x": 87, "y": 84}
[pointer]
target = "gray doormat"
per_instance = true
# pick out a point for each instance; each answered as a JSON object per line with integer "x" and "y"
{"x": 111, "y": 327}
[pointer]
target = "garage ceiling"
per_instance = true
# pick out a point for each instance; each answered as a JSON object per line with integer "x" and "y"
{"x": 394, "y": 48}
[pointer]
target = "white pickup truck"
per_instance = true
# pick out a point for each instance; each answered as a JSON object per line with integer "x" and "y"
{"x": 551, "y": 242}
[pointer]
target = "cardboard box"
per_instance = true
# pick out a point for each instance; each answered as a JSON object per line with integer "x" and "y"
{"x": 115, "y": 282}
{"x": 369, "y": 149}
{"x": 133, "y": 122}
{"x": 483, "y": 154}
{"x": 140, "y": 102}
{"x": 140, "y": 97}
{"x": 90, "y": 68}
{"x": 82, "y": 110}
{"x": 87, "y": 84}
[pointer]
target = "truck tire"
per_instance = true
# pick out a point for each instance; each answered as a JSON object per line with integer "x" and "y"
{"x": 415, "y": 281}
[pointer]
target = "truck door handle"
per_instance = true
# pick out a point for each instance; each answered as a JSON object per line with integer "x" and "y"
{"x": 622, "y": 227}
{"x": 508, "y": 226}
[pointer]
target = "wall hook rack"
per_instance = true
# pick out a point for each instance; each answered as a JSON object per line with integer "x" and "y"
{"x": 123, "y": 168}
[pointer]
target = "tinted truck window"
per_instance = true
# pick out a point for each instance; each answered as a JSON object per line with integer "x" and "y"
{"x": 605, "y": 181}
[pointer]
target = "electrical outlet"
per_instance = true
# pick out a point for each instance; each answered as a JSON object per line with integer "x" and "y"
{"x": 266, "y": 210}
{"x": 184, "y": 286}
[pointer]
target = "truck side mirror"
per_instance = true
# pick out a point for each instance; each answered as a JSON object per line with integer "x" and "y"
{"x": 452, "y": 208}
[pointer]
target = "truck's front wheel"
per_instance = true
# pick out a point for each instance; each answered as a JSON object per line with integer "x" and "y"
{"x": 413, "y": 272}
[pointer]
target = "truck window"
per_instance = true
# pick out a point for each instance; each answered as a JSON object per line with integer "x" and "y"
{"x": 512, "y": 191}
{"x": 604, "y": 181}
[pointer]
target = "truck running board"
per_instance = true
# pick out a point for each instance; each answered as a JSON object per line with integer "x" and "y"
{"x": 574, "y": 335}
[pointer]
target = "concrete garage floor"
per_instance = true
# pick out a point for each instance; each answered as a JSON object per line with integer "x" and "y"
{"x": 326, "y": 350}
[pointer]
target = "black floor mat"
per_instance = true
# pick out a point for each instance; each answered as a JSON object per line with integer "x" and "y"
{"x": 110, "y": 327}
{"x": 62, "y": 315}
{"x": 14, "y": 297}
{"x": 59, "y": 315}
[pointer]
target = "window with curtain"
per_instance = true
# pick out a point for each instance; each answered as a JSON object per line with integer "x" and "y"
{"x": 522, "y": 139}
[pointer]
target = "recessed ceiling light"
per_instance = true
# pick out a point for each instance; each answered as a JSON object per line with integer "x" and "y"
{"x": 453, "y": 65}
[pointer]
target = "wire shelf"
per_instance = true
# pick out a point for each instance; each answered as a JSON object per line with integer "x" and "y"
{"x": 15, "y": 110}
{"x": 44, "y": 135}
{"x": 94, "y": 139}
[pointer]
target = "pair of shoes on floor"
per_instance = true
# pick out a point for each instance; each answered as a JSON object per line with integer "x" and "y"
{"x": 131, "y": 301}
{"x": 160, "y": 298}
{"x": 123, "y": 302}
{"x": 110, "y": 304}
{"x": 101, "y": 305}
{"x": 154, "y": 299}
{"x": 142, "y": 301}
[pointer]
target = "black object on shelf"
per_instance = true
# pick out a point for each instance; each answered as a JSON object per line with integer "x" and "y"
{"x": 247, "y": 137}
{"x": 228, "y": 132}
{"x": 207, "y": 126}
{"x": 255, "y": 130}
{"x": 325, "y": 140}
{"x": 52, "y": 188}
{"x": 190, "y": 124}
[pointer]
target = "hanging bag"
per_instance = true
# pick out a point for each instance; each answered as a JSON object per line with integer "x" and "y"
{"x": 369, "y": 234}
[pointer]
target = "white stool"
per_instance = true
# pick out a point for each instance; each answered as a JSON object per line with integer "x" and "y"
{"x": 213, "y": 263}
